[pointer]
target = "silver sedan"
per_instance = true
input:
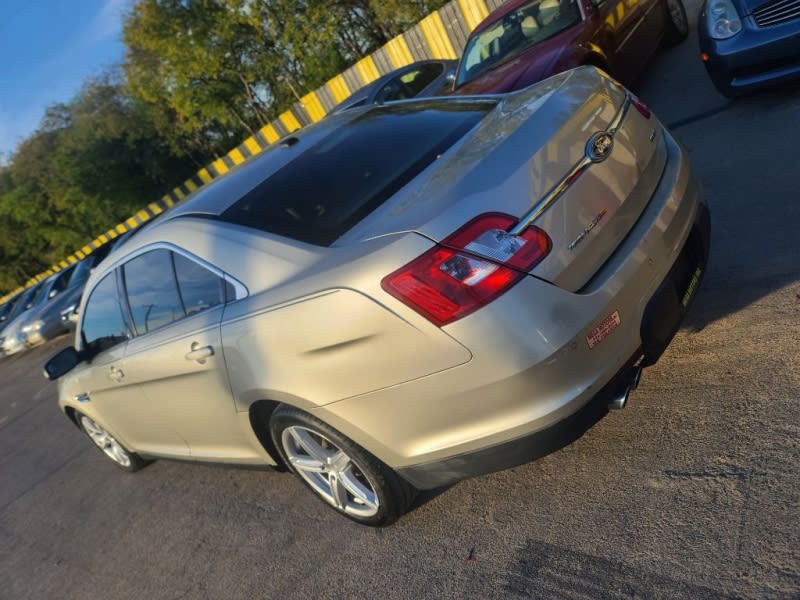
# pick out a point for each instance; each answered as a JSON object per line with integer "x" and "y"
{"x": 398, "y": 297}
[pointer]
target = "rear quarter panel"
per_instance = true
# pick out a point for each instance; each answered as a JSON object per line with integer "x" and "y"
{"x": 325, "y": 347}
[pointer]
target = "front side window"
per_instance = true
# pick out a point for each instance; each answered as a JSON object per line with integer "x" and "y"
{"x": 152, "y": 291}
{"x": 103, "y": 325}
{"x": 515, "y": 32}
{"x": 23, "y": 304}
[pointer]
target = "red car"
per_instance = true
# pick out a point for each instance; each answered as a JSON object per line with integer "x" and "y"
{"x": 525, "y": 41}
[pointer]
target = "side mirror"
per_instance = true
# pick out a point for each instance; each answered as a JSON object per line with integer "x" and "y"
{"x": 62, "y": 363}
{"x": 450, "y": 77}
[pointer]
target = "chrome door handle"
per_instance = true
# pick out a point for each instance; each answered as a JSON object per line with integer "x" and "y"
{"x": 199, "y": 354}
{"x": 115, "y": 373}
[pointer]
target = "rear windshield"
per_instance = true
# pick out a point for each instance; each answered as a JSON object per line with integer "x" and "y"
{"x": 331, "y": 186}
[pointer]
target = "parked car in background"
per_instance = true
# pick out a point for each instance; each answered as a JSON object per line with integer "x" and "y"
{"x": 46, "y": 322}
{"x": 23, "y": 303}
{"x": 750, "y": 44}
{"x": 13, "y": 336}
{"x": 417, "y": 80}
{"x": 7, "y": 307}
{"x": 525, "y": 41}
{"x": 408, "y": 295}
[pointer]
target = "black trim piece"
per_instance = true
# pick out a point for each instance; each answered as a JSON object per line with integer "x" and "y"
{"x": 665, "y": 311}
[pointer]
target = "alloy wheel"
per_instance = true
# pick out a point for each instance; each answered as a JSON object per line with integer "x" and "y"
{"x": 106, "y": 442}
{"x": 330, "y": 472}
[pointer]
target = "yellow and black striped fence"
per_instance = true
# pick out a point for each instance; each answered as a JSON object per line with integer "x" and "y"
{"x": 442, "y": 34}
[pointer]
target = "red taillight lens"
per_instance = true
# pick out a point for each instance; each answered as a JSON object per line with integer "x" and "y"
{"x": 469, "y": 269}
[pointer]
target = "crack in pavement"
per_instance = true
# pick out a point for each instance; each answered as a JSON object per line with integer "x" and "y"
{"x": 699, "y": 116}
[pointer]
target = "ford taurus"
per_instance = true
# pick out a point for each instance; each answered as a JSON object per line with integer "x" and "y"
{"x": 398, "y": 297}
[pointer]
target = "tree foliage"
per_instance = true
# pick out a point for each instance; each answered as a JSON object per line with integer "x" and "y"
{"x": 217, "y": 70}
{"x": 92, "y": 163}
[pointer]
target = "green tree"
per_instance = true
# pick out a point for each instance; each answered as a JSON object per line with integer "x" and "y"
{"x": 214, "y": 71}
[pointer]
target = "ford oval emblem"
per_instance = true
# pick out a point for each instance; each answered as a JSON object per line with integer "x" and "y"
{"x": 599, "y": 146}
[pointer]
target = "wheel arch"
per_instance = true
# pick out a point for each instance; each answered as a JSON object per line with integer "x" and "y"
{"x": 72, "y": 415}
{"x": 260, "y": 413}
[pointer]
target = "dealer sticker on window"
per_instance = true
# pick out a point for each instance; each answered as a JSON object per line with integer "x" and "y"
{"x": 602, "y": 331}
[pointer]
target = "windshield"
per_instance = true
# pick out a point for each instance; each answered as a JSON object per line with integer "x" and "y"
{"x": 23, "y": 302}
{"x": 515, "y": 32}
{"x": 9, "y": 306}
{"x": 39, "y": 295}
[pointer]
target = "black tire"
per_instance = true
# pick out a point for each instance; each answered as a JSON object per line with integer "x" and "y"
{"x": 677, "y": 26}
{"x": 112, "y": 449}
{"x": 393, "y": 494}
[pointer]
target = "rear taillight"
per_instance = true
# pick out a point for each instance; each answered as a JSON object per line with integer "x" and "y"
{"x": 469, "y": 269}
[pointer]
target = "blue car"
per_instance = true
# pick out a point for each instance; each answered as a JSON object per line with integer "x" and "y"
{"x": 750, "y": 44}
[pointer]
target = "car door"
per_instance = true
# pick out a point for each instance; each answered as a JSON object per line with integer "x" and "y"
{"x": 99, "y": 384}
{"x": 620, "y": 19}
{"x": 176, "y": 303}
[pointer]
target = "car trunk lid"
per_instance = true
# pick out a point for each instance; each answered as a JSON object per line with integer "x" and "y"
{"x": 524, "y": 150}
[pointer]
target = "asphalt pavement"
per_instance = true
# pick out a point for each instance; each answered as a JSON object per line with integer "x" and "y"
{"x": 692, "y": 491}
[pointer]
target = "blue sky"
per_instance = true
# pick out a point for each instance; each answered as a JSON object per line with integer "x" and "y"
{"x": 48, "y": 48}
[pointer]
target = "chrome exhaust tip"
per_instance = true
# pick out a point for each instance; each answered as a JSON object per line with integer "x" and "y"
{"x": 629, "y": 383}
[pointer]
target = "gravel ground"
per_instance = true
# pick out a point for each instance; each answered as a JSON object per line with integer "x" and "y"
{"x": 691, "y": 491}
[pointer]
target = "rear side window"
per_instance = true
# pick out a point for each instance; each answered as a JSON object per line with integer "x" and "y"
{"x": 164, "y": 286}
{"x": 420, "y": 79}
{"x": 409, "y": 84}
{"x": 199, "y": 288}
{"x": 152, "y": 291}
{"x": 321, "y": 194}
{"x": 103, "y": 325}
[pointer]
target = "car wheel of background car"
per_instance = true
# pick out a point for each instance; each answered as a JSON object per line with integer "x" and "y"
{"x": 343, "y": 474}
{"x": 122, "y": 457}
{"x": 677, "y": 28}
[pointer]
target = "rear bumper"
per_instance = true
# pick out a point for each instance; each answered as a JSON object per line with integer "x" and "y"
{"x": 521, "y": 450}
{"x": 754, "y": 58}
